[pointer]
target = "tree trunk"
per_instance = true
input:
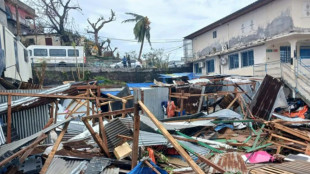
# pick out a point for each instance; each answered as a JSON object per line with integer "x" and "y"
{"x": 97, "y": 43}
{"x": 140, "y": 52}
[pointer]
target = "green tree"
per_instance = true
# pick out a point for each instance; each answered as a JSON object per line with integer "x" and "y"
{"x": 141, "y": 29}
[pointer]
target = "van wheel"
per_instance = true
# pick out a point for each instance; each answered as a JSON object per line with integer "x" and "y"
{"x": 116, "y": 67}
{"x": 138, "y": 66}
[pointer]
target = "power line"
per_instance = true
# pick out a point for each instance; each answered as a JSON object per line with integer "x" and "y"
{"x": 130, "y": 40}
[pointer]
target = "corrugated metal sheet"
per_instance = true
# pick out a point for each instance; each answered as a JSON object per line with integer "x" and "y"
{"x": 263, "y": 101}
{"x": 97, "y": 165}
{"x": 62, "y": 166}
{"x": 231, "y": 162}
{"x": 152, "y": 99}
{"x": 152, "y": 139}
{"x": 29, "y": 100}
{"x": 122, "y": 126}
{"x": 111, "y": 170}
{"x": 26, "y": 122}
{"x": 16, "y": 144}
{"x": 2, "y": 137}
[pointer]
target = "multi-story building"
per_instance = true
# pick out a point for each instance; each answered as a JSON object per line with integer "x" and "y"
{"x": 14, "y": 62}
{"x": 264, "y": 32}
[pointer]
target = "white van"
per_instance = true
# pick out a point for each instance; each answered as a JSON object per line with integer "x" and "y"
{"x": 56, "y": 55}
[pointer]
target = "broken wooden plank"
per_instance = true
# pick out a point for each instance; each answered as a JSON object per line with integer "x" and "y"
{"x": 116, "y": 112}
{"x": 97, "y": 138}
{"x": 175, "y": 144}
{"x": 200, "y": 143}
{"x": 50, "y": 157}
{"x": 9, "y": 120}
{"x": 151, "y": 166}
{"x": 135, "y": 146}
{"x": 41, "y": 138}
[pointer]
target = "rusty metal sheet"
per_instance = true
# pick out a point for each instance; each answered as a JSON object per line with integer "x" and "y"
{"x": 263, "y": 102}
{"x": 227, "y": 100}
{"x": 231, "y": 162}
{"x": 296, "y": 167}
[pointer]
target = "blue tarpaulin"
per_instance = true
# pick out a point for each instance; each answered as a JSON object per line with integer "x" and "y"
{"x": 130, "y": 85}
{"x": 178, "y": 75}
{"x": 143, "y": 168}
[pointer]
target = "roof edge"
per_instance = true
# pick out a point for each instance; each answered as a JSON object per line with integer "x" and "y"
{"x": 255, "y": 5}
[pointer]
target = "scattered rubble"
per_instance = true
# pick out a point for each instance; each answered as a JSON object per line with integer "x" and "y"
{"x": 220, "y": 124}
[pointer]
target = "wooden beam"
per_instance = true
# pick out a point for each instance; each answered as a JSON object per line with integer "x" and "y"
{"x": 52, "y": 110}
{"x": 182, "y": 103}
{"x": 210, "y": 163}
{"x": 56, "y": 111}
{"x": 97, "y": 138}
{"x": 103, "y": 136}
{"x": 116, "y": 112}
{"x": 9, "y": 120}
{"x": 152, "y": 167}
{"x": 203, "y": 89}
{"x": 29, "y": 151}
{"x": 231, "y": 103}
{"x": 50, "y": 157}
{"x": 10, "y": 158}
{"x": 124, "y": 107}
{"x": 117, "y": 98}
{"x": 135, "y": 146}
{"x": 175, "y": 144}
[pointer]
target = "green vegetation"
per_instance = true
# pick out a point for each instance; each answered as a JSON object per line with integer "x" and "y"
{"x": 103, "y": 81}
{"x": 141, "y": 29}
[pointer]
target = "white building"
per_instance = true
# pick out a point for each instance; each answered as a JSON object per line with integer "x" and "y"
{"x": 14, "y": 62}
{"x": 266, "y": 33}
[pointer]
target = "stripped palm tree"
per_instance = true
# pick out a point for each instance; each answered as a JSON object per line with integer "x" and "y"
{"x": 141, "y": 29}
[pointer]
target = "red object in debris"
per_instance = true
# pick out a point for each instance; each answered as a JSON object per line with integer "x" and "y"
{"x": 171, "y": 151}
{"x": 300, "y": 113}
{"x": 171, "y": 109}
{"x": 151, "y": 154}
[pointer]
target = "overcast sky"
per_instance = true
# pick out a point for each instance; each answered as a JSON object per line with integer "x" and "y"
{"x": 171, "y": 20}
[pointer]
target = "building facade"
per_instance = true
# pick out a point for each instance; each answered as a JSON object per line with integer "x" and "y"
{"x": 14, "y": 62}
{"x": 266, "y": 31}
{"x": 41, "y": 39}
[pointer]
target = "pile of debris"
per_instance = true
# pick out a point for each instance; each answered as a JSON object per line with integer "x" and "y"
{"x": 205, "y": 125}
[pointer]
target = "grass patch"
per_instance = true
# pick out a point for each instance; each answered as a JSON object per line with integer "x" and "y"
{"x": 103, "y": 81}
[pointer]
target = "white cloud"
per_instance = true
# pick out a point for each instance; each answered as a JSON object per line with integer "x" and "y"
{"x": 170, "y": 19}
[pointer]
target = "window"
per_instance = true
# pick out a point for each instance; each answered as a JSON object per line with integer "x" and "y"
{"x": 305, "y": 52}
{"x": 72, "y": 54}
{"x": 214, "y": 34}
{"x": 197, "y": 69}
{"x": 233, "y": 61}
{"x": 30, "y": 52}
{"x": 26, "y": 55}
{"x": 58, "y": 52}
{"x": 40, "y": 52}
{"x": 247, "y": 58}
{"x": 210, "y": 66}
{"x": 31, "y": 41}
{"x": 285, "y": 54}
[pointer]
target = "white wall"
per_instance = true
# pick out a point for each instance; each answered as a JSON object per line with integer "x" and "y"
{"x": 265, "y": 21}
{"x": 259, "y": 57}
{"x": 25, "y": 70}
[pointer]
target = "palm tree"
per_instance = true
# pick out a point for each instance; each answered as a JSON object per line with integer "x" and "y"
{"x": 141, "y": 29}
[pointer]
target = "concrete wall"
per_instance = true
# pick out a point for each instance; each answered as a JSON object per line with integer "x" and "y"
{"x": 25, "y": 69}
{"x": 56, "y": 76}
{"x": 272, "y": 19}
{"x": 3, "y": 18}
